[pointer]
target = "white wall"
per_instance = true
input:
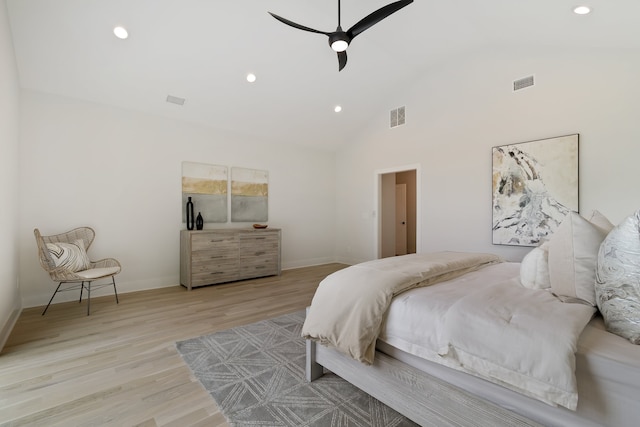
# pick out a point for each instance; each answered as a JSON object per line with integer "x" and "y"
{"x": 10, "y": 304}
{"x": 119, "y": 172}
{"x": 455, "y": 114}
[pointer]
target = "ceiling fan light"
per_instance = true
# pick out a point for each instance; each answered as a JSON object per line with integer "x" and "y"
{"x": 339, "y": 45}
{"x": 339, "y": 40}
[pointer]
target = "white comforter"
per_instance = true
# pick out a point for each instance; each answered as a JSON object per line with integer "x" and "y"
{"x": 485, "y": 323}
{"x": 349, "y": 305}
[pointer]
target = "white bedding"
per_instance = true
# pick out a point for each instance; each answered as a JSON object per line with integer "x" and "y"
{"x": 348, "y": 307}
{"x": 607, "y": 372}
{"x": 487, "y": 324}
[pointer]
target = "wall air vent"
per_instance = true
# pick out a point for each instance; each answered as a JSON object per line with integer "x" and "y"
{"x": 175, "y": 100}
{"x": 522, "y": 83}
{"x": 397, "y": 117}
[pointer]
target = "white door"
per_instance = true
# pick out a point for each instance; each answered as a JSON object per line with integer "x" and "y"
{"x": 401, "y": 219}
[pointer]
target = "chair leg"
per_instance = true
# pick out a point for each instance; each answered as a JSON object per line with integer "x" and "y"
{"x": 88, "y": 298}
{"x": 81, "y": 289}
{"x": 114, "y": 289}
{"x": 54, "y": 294}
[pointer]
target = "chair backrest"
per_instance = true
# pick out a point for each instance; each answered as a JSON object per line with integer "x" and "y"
{"x": 86, "y": 234}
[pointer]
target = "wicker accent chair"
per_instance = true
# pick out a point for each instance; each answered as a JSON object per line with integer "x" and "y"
{"x": 76, "y": 271}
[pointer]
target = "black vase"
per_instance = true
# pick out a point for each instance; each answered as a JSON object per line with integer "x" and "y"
{"x": 199, "y": 222}
{"x": 190, "y": 218}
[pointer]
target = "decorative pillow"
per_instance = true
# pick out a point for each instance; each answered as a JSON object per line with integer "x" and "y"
{"x": 573, "y": 255}
{"x": 618, "y": 279}
{"x": 600, "y": 221}
{"x": 534, "y": 268}
{"x": 72, "y": 256}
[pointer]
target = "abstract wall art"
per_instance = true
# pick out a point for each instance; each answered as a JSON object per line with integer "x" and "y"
{"x": 207, "y": 187}
{"x": 535, "y": 185}
{"x": 249, "y": 195}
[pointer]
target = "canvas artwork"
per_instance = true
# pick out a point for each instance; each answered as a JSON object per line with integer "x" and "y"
{"x": 207, "y": 187}
{"x": 249, "y": 195}
{"x": 535, "y": 185}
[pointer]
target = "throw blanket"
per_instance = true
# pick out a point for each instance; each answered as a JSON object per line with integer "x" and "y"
{"x": 349, "y": 305}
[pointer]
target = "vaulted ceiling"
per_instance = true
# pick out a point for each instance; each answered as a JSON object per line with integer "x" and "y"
{"x": 202, "y": 50}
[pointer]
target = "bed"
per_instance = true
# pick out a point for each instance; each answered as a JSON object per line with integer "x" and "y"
{"x": 475, "y": 327}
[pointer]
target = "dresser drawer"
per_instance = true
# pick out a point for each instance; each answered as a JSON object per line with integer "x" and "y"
{"x": 257, "y": 237}
{"x": 213, "y": 242}
{"x": 227, "y": 255}
{"x": 217, "y": 264}
{"x": 261, "y": 250}
{"x": 258, "y": 270}
{"x": 258, "y": 256}
{"x": 213, "y": 277}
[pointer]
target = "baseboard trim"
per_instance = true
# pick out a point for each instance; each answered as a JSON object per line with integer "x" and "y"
{"x": 40, "y": 299}
{"x": 8, "y": 326}
{"x": 309, "y": 262}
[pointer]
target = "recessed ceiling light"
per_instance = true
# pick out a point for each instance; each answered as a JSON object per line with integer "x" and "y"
{"x": 121, "y": 32}
{"x": 251, "y": 77}
{"x": 582, "y": 10}
{"x": 337, "y": 109}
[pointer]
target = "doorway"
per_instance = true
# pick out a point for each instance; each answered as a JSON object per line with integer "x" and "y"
{"x": 398, "y": 205}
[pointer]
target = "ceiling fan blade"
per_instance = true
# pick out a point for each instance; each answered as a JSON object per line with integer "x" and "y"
{"x": 376, "y": 17}
{"x": 298, "y": 26}
{"x": 342, "y": 60}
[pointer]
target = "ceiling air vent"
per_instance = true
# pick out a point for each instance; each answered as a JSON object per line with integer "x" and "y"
{"x": 175, "y": 100}
{"x": 397, "y": 117}
{"x": 522, "y": 83}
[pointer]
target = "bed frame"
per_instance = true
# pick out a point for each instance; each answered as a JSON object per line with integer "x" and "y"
{"x": 405, "y": 385}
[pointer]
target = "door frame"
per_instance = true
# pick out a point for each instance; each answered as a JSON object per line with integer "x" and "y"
{"x": 377, "y": 194}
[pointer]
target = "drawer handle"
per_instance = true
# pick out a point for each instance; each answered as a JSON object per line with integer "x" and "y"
{"x": 260, "y": 253}
{"x": 216, "y": 256}
{"x": 216, "y": 272}
{"x": 260, "y": 266}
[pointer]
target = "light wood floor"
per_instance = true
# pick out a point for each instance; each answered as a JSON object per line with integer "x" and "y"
{"x": 119, "y": 366}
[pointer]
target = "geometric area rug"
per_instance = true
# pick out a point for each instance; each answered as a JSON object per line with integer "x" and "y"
{"x": 256, "y": 375}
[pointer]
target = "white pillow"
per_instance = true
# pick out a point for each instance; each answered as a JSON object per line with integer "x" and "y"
{"x": 573, "y": 255}
{"x": 600, "y": 221}
{"x": 72, "y": 256}
{"x": 534, "y": 268}
{"x": 618, "y": 279}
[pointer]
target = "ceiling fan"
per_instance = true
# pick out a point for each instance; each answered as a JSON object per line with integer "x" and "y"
{"x": 339, "y": 40}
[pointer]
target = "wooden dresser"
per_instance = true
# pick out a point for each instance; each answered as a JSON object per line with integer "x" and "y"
{"x": 215, "y": 256}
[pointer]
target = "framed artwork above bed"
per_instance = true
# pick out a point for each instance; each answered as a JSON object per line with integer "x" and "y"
{"x": 534, "y": 186}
